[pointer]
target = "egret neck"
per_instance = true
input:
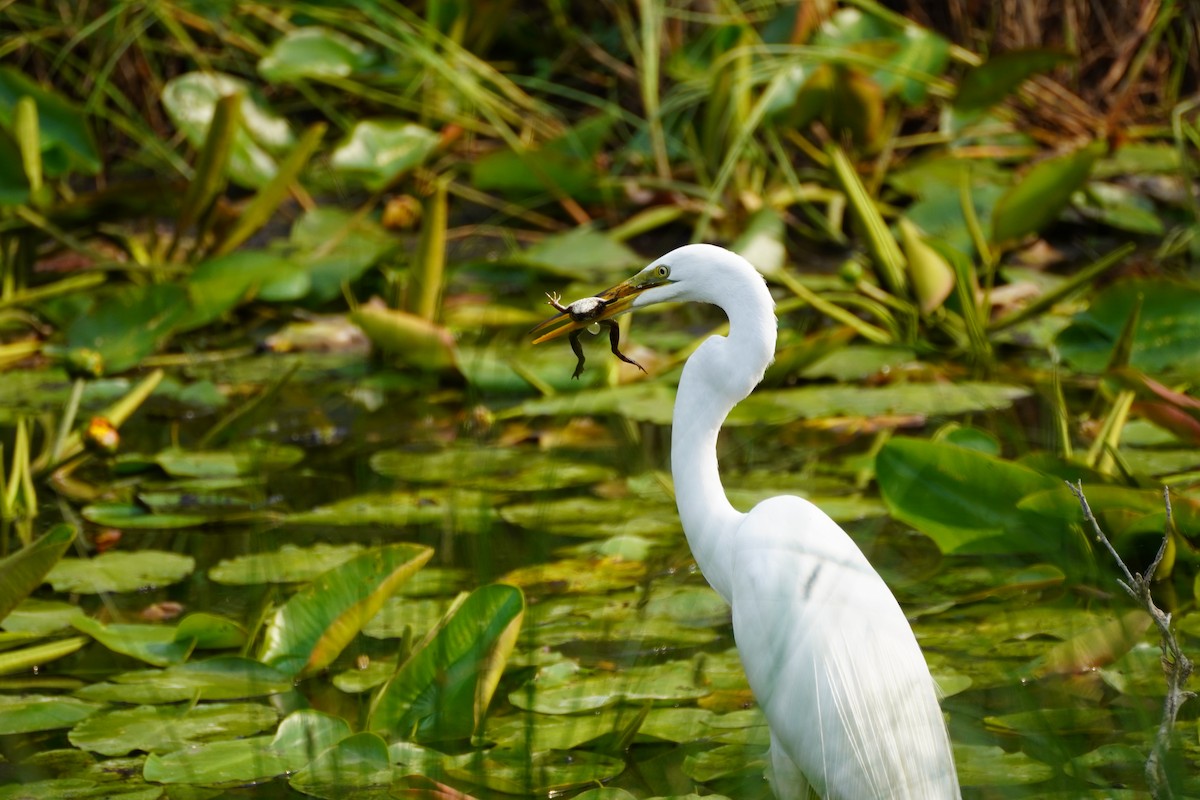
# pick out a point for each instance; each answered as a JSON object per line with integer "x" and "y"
{"x": 719, "y": 375}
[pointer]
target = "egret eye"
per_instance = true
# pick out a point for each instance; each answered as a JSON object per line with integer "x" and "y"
{"x": 662, "y": 271}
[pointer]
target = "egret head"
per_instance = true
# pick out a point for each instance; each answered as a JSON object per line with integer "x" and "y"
{"x": 701, "y": 273}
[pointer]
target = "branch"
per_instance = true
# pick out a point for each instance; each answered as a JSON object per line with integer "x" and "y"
{"x": 1177, "y": 667}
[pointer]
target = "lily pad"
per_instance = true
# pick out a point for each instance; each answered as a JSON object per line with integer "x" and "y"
{"x": 377, "y": 152}
{"x": 30, "y": 713}
{"x": 134, "y": 517}
{"x": 458, "y": 511}
{"x": 356, "y": 762}
{"x": 501, "y": 469}
{"x": 595, "y": 517}
{"x": 154, "y": 644}
{"x": 219, "y": 678}
{"x": 120, "y": 571}
{"x": 313, "y": 52}
{"x": 673, "y": 682}
{"x": 191, "y": 101}
{"x": 162, "y": 729}
{"x": 252, "y": 457}
{"x": 65, "y": 138}
{"x": 981, "y": 765}
{"x": 776, "y": 407}
{"x": 1164, "y": 340}
{"x": 301, "y": 737}
{"x": 515, "y": 771}
{"x": 128, "y": 324}
{"x": 288, "y": 564}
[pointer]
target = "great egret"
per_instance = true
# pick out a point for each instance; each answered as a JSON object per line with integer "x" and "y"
{"x": 832, "y": 661}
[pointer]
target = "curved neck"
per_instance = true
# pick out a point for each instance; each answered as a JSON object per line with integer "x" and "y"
{"x": 719, "y": 375}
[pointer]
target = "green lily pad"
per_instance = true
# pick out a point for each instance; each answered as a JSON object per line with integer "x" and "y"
{"x": 377, "y": 152}
{"x": 776, "y": 407}
{"x": 503, "y": 469}
{"x": 210, "y": 631}
{"x": 120, "y": 571}
{"x": 982, "y": 765}
{"x": 725, "y": 762}
{"x": 288, "y": 564}
{"x": 515, "y": 771}
{"x": 217, "y": 285}
{"x": 191, "y": 100}
{"x": 401, "y": 614}
{"x": 595, "y": 517}
{"x": 77, "y": 789}
{"x": 128, "y": 324}
{"x": 356, "y": 762}
{"x": 336, "y": 247}
{"x": 673, "y": 682}
{"x": 580, "y": 253}
{"x": 134, "y": 517}
{"x": 154, "y": 644}
{"x": 301, "y": 737}
{"x": 313, "y": 52}
{"x": 219, "y": 678}
{"x": 458, "y": 511}
{"x": 310, "y": 630}
{"x": 1164, "y": 340}
{"x": 252, "y": 457}
{"x": 163, "y": 729}
{"x": 1001, "y": 74}
{"x": 30, "y": 713}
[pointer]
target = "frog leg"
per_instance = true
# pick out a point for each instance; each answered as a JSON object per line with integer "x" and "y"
{"x": 577, "y": 349}
{"x": 554, "y": 301}
{"x": 614, "y": 338}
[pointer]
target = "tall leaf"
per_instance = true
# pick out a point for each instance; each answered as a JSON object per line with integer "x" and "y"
{"x": 443, "y": 690}
{"x": 24, "y": 570}
{"x": 313, "y": 627}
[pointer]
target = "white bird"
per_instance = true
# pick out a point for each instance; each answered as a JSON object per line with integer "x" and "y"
{"x": 831, "y": 659}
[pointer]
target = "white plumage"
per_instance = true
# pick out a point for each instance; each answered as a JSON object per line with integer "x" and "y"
{"x": 832, "y": 661}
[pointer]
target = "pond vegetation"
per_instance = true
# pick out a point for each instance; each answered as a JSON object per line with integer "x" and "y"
{"x": 290, "y": 506}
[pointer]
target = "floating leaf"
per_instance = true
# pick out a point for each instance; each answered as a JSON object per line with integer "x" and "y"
{"x": 134, "y": 517}
{"x": 252, "y": 457}
{"x": 220, "y": 678}
{"x": 119, "y": 571}
{"x": 30, "y": 713}
{"x": 1164, "y": 341}
{"x": 310, "y": 630}
{"x": 1093, "y": 648}
{"x": 162, "y": 729}
{"x": 443, "y": 690}
{"x": 313, "y": 52}
{"x": 354, "y": 763}
{"x": 288, "y": 564}
{"x": 459, "y": 511}
{"x": 775, "y": 407}
{"x": 335, "y": 247}
{"x": 301, "y": 737}
{"x": 128, "y": 324}
{"x": 501, "y": 469}
{"x": 217, "y": 285}
{"x": 154, "y": 644}
{"x": 563, "y": 165}
{"x": 516, "y": 771}
{"x": 377, "y": 152}
{"x": 40, "y": 617}
{"x": 191, "y": 100}
{"x": 673, "y": 682}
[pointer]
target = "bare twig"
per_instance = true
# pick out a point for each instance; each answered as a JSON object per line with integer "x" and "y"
{"x": 1177, "y": 667}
